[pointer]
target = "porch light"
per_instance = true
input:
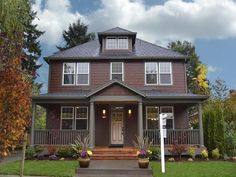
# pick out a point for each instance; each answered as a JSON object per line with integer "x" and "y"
{"x": 104, "y": 113}
{"x": 129, "y": 112}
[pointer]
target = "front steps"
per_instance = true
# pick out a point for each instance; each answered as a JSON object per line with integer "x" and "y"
{"x": 114, "y": 153}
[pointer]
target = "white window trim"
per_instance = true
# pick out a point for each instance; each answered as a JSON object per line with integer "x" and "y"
{"x": 107, "y": 43}
{"x": 68, "y": 73}
{"x": 67, "y": 118}
{"x": 171, "y": 81}
{"x": 156, "y": 107}
{"x": 82, "y": 73}
{"x": 81, "y": 118}
{"x": 172, "y": 107}
{"x": 156, "y": 73}
{"x": 122, "y": 64}
{"x": 123, "y": 37}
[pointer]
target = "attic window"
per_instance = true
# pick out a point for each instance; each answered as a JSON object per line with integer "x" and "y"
{"x": 117, "y": 42}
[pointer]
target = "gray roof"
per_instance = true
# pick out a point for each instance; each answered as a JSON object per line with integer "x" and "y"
{"x": 117, "y": 30}
{"x": 142, "y": 50}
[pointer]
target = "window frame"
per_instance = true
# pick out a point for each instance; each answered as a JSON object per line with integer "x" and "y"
{"x": 81, "y": 118}
{"x": 88, "y": 73}
{"x": 146, "y": 117}
{"x": 67, "y": 118}
{"x": 122, "y": 65}
{"x": 171, "y": 81}
{"x": 145, "y": 73}
{"x": 63, "y": 73}
{"x": 173, "y": 117}
{"x": 117, "y": 44}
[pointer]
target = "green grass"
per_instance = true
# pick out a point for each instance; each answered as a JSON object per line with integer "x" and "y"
{"x": 41, "y": 168}
{"x": 196, "y": 169}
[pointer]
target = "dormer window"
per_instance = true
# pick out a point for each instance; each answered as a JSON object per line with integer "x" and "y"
{"x": 114, "y": 42}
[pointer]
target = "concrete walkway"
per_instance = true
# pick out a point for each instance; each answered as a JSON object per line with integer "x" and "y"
{"x": 13, "y": 157}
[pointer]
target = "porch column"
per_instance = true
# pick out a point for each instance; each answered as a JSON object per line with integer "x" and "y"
{"x": 200, "y": 124}
{"x": 92, "y": 125}
{"x": 140, "y": 119}
{"x": 32, "y": 124}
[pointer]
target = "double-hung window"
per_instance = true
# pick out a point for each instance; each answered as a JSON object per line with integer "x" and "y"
{"x": 152, "y": 117}
{"x": 170, "y": 116}
{"x": 67, "y": 117}
{"x": 117, "y": 71}
{"x": 151, "y": 73}
{"x": 114, "y": 42}
{"x": 69, "y": 73}
{"x": 165, "y": 73}
{"x": 81, "y": 118}
{"x": 82, "y": 73}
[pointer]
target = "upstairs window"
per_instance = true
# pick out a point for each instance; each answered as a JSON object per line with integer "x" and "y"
{"x": 165, "y": 73}
{"x": 151, "y": 72}
{"x": 75, "y": 73}
{"x": 117, "y": 43}
{"x": 69, "y": 73}
{"x": 82, "y": 73}
{"x": 117, "y": 71}
{"x": 158, "y": 73}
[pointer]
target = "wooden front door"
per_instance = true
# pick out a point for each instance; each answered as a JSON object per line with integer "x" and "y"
{"x": 117, "y": 127}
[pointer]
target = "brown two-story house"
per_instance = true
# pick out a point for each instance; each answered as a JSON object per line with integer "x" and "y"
{"x": 113, "y": 88}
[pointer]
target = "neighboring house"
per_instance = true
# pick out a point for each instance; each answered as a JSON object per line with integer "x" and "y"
{"x": 114, "y": 88}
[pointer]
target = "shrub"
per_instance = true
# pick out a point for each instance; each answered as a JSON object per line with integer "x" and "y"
{"x": 204, "y": 154}
{"x": 230, "y": 136}
{"x": 155, "y": 155}
{"x": 38, "y": 149}
{"x": 65, "y": 151}
{"x": 192, "y": 152}
{"x": 51, "y": 150}
{"x": 215, "y": 153}
{"x": 177, "y": 149}
{"x": 30, "y": 153}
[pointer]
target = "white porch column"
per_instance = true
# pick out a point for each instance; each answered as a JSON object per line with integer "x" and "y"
{"x": 200, "y": 124}
{"x": 32, "y": 124}
{"x": 140, "y": 119}
{"x": 92, "y": 125}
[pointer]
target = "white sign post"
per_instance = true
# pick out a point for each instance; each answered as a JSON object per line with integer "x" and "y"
{"x": 162, "y": 134}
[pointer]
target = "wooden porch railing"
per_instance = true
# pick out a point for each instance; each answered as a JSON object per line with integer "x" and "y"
{"x": 180, "y": 136}
{"x": 57, "y": 137}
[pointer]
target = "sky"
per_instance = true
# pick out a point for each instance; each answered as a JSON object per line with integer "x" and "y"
{"x": 209, "y": 24}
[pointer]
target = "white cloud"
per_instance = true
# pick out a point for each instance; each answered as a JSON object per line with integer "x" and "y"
{"x": 173, "y": 20}
{"x": 211, "y": 68}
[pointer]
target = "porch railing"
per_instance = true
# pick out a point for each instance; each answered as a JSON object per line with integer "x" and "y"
{"x": 179, "y": 136}
{"x": 57, "y": 137}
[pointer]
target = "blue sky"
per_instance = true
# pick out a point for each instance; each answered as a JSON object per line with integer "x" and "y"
{"x": 209, "y": 24}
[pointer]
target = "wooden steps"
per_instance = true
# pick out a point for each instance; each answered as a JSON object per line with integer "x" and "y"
{"x": 106, "y": 153}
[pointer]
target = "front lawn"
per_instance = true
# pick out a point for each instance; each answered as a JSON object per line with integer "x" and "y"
{"x": 196, "y": 169}
{"x": 41, "y": 168}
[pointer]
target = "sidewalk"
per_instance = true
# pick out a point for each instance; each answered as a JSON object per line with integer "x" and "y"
{"x": 13, "y": 157}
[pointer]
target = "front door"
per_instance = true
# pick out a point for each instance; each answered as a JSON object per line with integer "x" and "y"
{"x": 117, "y": 127}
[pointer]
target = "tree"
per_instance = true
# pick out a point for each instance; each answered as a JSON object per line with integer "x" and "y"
{"x": 31, "y": 47}
{"x": 76, "y": 34}
{"x": 186, "y": 48}
{"x": 219, "y": 90}
{"x": 201, "y": 80}
{"x": 15, "y": 85}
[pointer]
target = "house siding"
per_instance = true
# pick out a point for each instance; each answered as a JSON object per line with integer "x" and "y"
{"x": 133, "y": 75}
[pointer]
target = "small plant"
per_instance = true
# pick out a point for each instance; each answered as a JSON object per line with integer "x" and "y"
{"x": 155, "y": 155}
{"x": 51, "y": 150}
{"x": 177, "y": 149}
{"x": 30, "y": 153}
{"x": 204, "y": 154}
{"x": 192, "y": 152}
{"x": 215, "y": 153}
{"x": 38, "y": 150}
{"x": 81, "y": 147}
{"x": 66, "y": 151}
{"x": 143, "y": 145}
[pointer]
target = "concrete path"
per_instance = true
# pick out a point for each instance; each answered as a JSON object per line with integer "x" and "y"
{"x": 13, "y": 157}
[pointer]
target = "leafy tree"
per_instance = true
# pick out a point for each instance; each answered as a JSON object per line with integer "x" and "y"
{"x": 219, "y": 90}
{"x": 15, "y": 85}
{"x": 201, "y": 80}
{"x": 186, "y": 48}
{"x": 76, "y": 34}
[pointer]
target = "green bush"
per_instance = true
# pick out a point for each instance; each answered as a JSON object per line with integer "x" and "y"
{"x": 66, "y": 151}
{"x": 38, "y": 149}
{"x": 192, "y": 152}
{"x": 30, "y": 152}
{"x": 156, "y": 152}
{"x": 230, "y": 137}
{"x": 215, "y": 153}
{"x": 204, "y": 154}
